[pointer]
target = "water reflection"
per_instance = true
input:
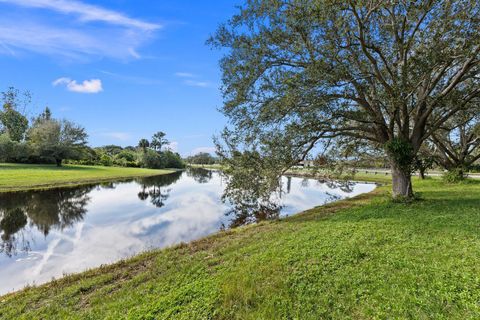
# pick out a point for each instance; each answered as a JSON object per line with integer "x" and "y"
{"x": 200, "y": 175}
{"x": 153, "y": 188}
{"x": 44, "y": 234}
{"x": 58, "y": 209}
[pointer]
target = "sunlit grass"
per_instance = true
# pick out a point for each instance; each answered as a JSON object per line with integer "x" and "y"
{"x": 15, "y": 177}
{"x": 361, "y": 258}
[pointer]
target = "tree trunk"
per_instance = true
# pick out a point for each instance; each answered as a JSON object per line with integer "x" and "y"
{"x": 421, "y": 173}
{"x": 58, "y": 162}
{"x": 402, "y": 182}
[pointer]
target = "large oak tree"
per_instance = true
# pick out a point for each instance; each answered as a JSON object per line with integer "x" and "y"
{"x": 389, "y": 73}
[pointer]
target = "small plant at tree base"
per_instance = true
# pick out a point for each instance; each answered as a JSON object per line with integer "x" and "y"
{"x": 406, "y": 200}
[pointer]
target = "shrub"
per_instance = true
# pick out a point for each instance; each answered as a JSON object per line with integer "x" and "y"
{"x": 125, "y": 158}
{"x": 454, "y": 175}
{"x": 106, "y": 160}
{"x": 173, "y": 160}
{"x": 151, "y": 159}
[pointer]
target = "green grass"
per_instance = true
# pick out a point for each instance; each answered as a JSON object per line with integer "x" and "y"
{"x": 17, "y": 177}
{"x": 363, "y": 258}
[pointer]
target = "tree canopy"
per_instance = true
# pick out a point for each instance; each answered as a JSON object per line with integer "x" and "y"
{"x": 458, "y": 141}
{"x": 12, "y": 121}
{"x": 57, "y": 140}
{"x": 386, "y": 73}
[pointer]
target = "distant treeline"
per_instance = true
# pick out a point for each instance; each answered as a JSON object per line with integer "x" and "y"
{"x": 130, "y": 156}
{"x": 202, "y": 158}
{"x": 44, "y": 139}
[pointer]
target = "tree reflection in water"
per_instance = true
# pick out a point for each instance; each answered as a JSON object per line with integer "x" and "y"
{"x": 250, "y": 205}
{"x": 59, "y": 209}
{"x": 200, "y": 175}
{"x": 242, "y": 215}
{"x": 153, "y": 188}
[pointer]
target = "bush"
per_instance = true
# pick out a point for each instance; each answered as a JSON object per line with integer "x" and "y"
{"x": 453, "y": 175}
{"x": 12, "y": 151}
{"x": 6, "y": 147}
{"x": 125, "y": 158}
{"x": 173, "y": 160}
{"x": 151, "y": 159}
{"x": 106, "y": 160}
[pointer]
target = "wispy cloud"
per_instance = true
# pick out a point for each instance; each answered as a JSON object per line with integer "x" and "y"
{"x": 172, "y": 146}
{"x": 94, "y": 31}
{"x": 193, "y": 83}
{"x": 87, "y": 86}
{"x": 184, "y": 75}
{"x": 133, "y": 79}
{"x": 86, "y": 12}
{"x": 190, "y": 80}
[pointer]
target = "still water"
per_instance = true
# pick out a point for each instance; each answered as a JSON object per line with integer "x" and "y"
{"x": 45, "y": 234}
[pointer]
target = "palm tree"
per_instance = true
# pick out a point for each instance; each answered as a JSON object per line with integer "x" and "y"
{"x": 144, "y": 144}
{"x": 158, "y": 140}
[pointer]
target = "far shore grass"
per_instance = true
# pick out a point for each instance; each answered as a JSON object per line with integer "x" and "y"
{"x": 20, "y": 177}
{"x": 362, "y": 258}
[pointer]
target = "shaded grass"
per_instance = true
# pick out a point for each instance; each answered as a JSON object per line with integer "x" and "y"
{"x": 362, "y": 258}
{"x": 17, "y": 177}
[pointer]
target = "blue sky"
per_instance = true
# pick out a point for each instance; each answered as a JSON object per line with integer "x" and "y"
{"x": 124, "y": 69}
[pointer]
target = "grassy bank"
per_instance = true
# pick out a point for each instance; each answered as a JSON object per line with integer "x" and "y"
{"x": 15, "y": 177}
{"x": 356, "y": 259}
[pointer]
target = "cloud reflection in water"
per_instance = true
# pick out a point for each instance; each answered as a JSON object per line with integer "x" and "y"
{"x": 46, "y": 234}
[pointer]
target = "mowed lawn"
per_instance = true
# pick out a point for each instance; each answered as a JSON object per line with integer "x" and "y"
{"x": 14, "y": 177}
{"x": 364, "y": 258}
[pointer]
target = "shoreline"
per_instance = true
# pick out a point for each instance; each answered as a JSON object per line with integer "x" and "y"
{"x": 329, "y": 208}
{"x": 56, "y": 184}
{"x": 280, "y": 267}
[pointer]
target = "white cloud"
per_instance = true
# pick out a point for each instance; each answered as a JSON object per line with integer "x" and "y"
{"x": 87, "y": 86}
{"x": 184, "y": 75}
{"x": 92, "y": 32}
{"x": 192, "y": 83}
{"x": 189, "y": 80}
{"x": 172, "y": 146}
{"x": 210, "y": 150}
{"x": 86, "y": 12}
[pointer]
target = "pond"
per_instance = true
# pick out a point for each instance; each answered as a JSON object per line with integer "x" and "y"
{"x": 46, "y": 234}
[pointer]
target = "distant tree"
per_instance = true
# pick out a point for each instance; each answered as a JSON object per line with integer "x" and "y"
{"x": 458, "y": 142}
{"x": 143, "y": 144}
{"x": 425, "y": 159}
{"x": 152, "y": 159}
{"x": 16, "y": 100}
{"x": 130, "y": 148}
{"x": 106, "y": 160}
{"x": 297, "y": 73}
{"x": 202, "y": 158}
{"x": 14, "y": 123}
{"x": 13, "y": 151}
{"x": 44, "y": 116}
{"x": 158, "y": 141}
{"x": 126, "y": 158}
{"x": 172, "y": 160}
{"x": 6, "y": 147}
{"x": 57, "y": 140}
{"x": 112, "y": 149}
